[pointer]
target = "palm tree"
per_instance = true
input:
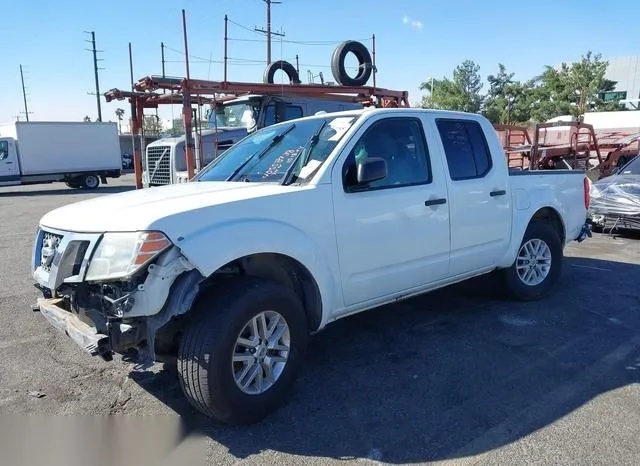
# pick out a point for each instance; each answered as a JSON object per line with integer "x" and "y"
{"x": 119, "y": 114}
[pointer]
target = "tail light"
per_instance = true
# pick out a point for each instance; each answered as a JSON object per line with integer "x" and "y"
{"x": 587, "y": 192}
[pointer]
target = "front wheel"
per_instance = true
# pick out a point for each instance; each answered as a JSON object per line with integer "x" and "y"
{"x": 538, "y": 264}
{"x": 242, "y": 349}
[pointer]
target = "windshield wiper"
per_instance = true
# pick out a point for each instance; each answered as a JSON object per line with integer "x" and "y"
{"x": 276, "y": 139}
{"x": 307, "y": 150}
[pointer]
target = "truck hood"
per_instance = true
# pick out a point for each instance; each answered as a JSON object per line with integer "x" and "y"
{"x": 151, "y": 208}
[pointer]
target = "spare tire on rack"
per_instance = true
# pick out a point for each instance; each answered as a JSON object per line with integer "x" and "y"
{"x": 365, "y": 64}
{"x": 285, "y": 66}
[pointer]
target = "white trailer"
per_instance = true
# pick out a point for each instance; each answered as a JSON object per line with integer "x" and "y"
{"x": 81, "y": 154}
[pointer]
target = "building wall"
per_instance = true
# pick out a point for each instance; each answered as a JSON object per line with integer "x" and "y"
{"x": 626, "y": 71}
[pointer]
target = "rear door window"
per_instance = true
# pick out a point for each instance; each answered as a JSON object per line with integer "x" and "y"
{"x": 465, "y": 148}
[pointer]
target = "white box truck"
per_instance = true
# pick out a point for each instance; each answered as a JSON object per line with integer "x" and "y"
{"x": 81, "y": 154}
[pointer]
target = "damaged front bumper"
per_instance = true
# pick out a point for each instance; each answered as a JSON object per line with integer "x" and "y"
{"x": 117, "y": 316}
{"x": 102, "y": 338}
{"x": 84, "y": 335}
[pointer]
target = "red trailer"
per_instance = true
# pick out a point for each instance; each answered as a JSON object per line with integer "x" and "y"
{"x": 187, "y": 92}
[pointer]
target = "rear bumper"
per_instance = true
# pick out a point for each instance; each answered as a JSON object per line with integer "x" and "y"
{"x": 84, "y": 335}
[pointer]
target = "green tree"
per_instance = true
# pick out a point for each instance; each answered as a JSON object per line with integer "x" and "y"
{"x": 177, "y": 127}
{"x": 587, "y": 79}
{"x": 569, "y": 89}
{"x": 551, "y": 96}
{"x": 119, "y": 114}
{"x": 507, "y": 101}
{"x": 460, "y": 93}
{"x": 573, "y": 89}
{"x": 152, "y": 125}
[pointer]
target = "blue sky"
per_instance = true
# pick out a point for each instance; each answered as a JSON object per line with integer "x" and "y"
{"x": 415, "y": 39}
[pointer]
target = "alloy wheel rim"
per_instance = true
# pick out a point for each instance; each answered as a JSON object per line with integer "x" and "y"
{"x": 261, "y": 352}
{"x": 534, "y": 262}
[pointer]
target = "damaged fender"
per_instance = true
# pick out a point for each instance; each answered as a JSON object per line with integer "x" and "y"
{"x": 154, "y": 292}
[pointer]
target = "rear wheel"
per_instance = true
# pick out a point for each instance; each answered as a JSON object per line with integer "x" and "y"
{"x": 90, "y": 181}
{"x": 538, "y": 263}
{"x": 242, "y": 349}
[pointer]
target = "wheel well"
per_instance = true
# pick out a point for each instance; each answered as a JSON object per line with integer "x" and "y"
{"x": 284, "y": 270}
{"x": 550, "y": 216}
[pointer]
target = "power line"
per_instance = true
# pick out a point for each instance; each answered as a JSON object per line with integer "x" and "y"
{"x": 287, "y": 41}
{"x": 232, "y": 60}
{"x": 299, "y": 42}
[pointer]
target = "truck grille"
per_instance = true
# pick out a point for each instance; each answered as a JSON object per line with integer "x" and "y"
{"x": 159, "y": 165}
{"x": 48, "y": 249}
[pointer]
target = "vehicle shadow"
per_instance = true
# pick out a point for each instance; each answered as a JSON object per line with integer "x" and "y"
{"x": 454, "y": 373}
{"x": 64, "y": 191}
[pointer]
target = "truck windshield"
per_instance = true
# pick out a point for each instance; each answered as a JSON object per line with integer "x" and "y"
{"x": 242, "y": 114}
{"x": 268, "y": 154}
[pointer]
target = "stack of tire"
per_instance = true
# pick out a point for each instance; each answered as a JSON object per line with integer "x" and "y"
{"x": 338, "y": 68}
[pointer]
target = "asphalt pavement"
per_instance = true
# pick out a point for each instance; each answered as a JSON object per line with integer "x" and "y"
{"x": 458, "y": 376}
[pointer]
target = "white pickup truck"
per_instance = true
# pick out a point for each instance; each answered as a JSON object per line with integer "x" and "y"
{"x": 297, "y": 225}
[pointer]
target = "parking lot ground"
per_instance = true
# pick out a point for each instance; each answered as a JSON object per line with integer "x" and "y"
{"x": 459, "y": 376}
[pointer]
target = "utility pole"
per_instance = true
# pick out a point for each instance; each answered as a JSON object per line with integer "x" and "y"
{"x": 95, "y": 69}
{"x": 24, "y": 96}
{"x": 162, "y": 54}
{"x": 268, "y": 32}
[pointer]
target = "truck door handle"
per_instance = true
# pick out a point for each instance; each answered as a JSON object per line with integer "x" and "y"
{"x": 500, "y": 192}
{"x": 431, "y": 202}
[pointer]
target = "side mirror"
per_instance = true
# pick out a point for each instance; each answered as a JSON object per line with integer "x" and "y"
{"x": 372, "y": 169}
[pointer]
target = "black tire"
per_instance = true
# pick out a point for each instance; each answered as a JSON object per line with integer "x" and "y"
{"x": 73, "y": 184}
{"x": 365, "y": 64}
{"x": 90, "y": 181}
{"x": 205, "y": 351}
{"x": 288, "y": 68}
{"x": 516, "y": 286}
